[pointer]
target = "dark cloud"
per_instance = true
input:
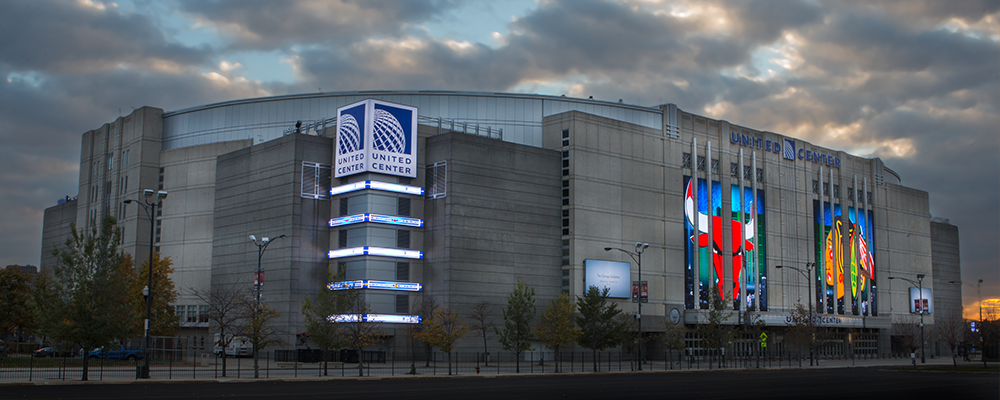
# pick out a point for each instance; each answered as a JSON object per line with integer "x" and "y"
{"x": 269, "y": 25}
{"x": 63, "y": 36}
{"x": 916, "y": 82}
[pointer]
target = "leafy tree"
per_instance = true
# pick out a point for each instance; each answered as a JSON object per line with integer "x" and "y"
{"x": 483, "y": 324}
{"x": 425, "y": 310}
{"x": 950, "y": 329}
{"x": 558, "y": 326}
{"x": 163, "y": 320}
{"x": 317, "y": 310}
{"x": 752, "y": 326}
{"x": 517, "y": 316}
{"x": 716, "y": 333}
{"x": 600, "y": 325}
{"x": 93, "y": 304}
{"x": 443, "y": 330}
{"x": 359, "y": 332}
{"x": 260, "y": 329}
{"x": 801, "y": 329}
{"x": 227, "y": 313}
{"x": 15, "y": 301}
{"x": 673, "y": 336}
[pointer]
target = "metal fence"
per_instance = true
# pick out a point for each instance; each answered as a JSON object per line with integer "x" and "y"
{"x": 301, "y": 363}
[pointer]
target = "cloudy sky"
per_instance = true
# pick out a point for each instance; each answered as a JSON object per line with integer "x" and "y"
{"x": 915, "y": 82}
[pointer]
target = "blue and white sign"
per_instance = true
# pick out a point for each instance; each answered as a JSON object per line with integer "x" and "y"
{"x": 376, "y": 136}
{"x": 376, "y": 185}
{"x": 378, "y": 285}
{"x": 384, "y": 318}
{"x": 376, "y": 218}
{"x": 786, "y": 147}
{"x": 789, "y": 148}
{"x": 375, "y": 251}
{"x": 614, "y": 275}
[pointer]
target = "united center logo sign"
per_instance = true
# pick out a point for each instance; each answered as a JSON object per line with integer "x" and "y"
{"x": 376, "y": 136}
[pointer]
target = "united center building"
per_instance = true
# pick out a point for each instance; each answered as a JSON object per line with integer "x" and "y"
{"x": 456, "y": 196}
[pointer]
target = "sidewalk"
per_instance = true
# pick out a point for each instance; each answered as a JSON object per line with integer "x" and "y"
{"x": 350, "y": 373}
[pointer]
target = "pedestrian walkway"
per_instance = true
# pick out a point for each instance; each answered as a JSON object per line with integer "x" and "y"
{"x": 313, "y": 372}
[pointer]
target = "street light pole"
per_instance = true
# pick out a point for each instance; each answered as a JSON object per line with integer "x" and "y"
{"x": 920, "y": 288}
{"x": 150, "y": 208}
{"x": 258, "y": 286}
{"x": 808, "y": 274}
{"x": 639, "y": 248}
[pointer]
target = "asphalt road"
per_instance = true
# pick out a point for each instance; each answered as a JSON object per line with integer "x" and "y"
{"x": 833, "y": 383}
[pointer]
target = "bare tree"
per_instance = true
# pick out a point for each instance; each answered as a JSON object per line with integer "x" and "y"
{"x": 227, "y": 313}
{"x": 482, "y": 315}
{"x": 360, "y": 332}
{"x": 906, "y": 332}
{"x": 801, "y": 330}
{"x": 949, "y": 329}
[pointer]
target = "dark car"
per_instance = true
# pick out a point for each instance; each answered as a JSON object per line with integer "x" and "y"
{"x": 51, "y": 352}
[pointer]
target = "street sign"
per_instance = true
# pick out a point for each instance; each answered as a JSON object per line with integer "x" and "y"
{"x": 763, "y": 339}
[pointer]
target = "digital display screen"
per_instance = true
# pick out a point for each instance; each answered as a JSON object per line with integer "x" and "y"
{"x": 614, "y": 275}
{"x": 384, "y": 318}
{"x": 921, "y": 301}
{"x": 377, "y": 218}
{"x": 380, "y": 285}
{"x": 376, "y": 185}
{"x": 375, "y": 251}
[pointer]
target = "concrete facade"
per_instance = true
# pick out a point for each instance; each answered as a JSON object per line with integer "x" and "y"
{"x": 530, "y": 187}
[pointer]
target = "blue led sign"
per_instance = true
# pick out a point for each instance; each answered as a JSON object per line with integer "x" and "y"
{"x": 377, "y": 285}
{"x": 375, "y": 251}
{"x": 376, "y": 185}
{"x": 382, "y": 219}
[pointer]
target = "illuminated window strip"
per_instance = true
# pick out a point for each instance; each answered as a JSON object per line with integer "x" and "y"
{"x": 388, "y": 187}
{"x": 377, "y": 218}
{"x": 375, "y": 251}
{"x": 377, "y": 285}
{"x": 384, "y": 318}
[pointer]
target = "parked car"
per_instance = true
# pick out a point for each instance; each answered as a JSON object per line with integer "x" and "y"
{"x": 116, "y": 352}
{"x": 52, "y": 352}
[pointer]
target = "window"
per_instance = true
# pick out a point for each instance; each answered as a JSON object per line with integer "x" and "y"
{"x": 687, "y": 161}
{"x": 403, "y": 238}
{"x": 192, "y": 314}
{"x": 836, "y": 191}
{"x": 403, "y": 207}
{"x": 203, "y": 314}
{"x": 315, "y": 180}
{"x": 850, "y": 193}
{"x": 403, "y": 271}
{"x": 715, "y": 166}
{"x": 344, "y": 206}
{"x": 342, "y": 239}
{"x": 826, "y": 188}
{"x": 701, "y": 163}
{"x": 160, "y": 178}
{"x": 746, "y": 173}
{"x": 760, "y": 175}
{"x": 815, "y": 186}
{"x": 565, "y": 223}
{"x": 869, "y": 199}
{"x": 402, "y": 304}
{"x": 565, "y": 163}
{"x": 734, "y": 170}
{"x": 437, "y": 180}
{"x": 565, "y": 193}
{"x": 565, "y": 137}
